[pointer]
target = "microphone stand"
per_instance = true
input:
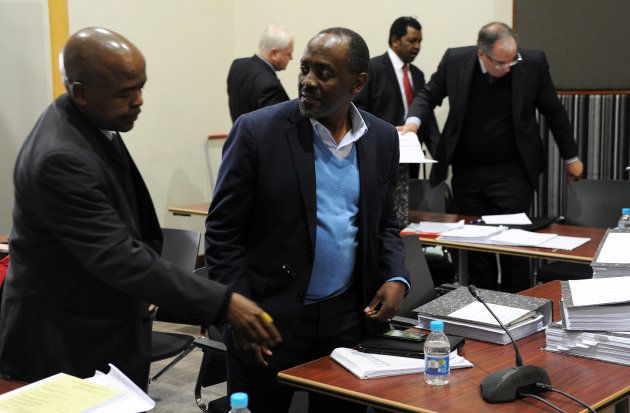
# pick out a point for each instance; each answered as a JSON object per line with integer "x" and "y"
{"x": 506, "y": 384}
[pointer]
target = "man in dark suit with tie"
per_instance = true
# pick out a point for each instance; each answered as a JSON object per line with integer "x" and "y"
{"x": 491, "y": 136}
{"x": 302, "y": 222}
{"x": 393, "y": 81}
{"x": 252, "y": 82}
{"x": 85, "y": 242}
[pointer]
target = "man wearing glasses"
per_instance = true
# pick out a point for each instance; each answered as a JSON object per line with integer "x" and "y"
{"x": 491, "y": 136}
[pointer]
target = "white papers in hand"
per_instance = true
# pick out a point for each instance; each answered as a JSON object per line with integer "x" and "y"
{"x": 134, "y": 399}
{"x": 477, "y": 313}
{"x": 369, "y": 366}
{"x": 4, "y": 248}
{"x": 599, "y": 291}
{"x": 410, "y": 149}
{"x": 507, "y": 219}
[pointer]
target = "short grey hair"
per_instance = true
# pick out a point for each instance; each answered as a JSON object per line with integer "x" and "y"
{"x": 274, "y": 37}
{"x": 492, "y": 33}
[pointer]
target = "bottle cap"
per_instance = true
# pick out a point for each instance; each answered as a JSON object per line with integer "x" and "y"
{"x": 625, "y": 211}
{"x": 239, "y": 400}
{"x": 436, "y": 325}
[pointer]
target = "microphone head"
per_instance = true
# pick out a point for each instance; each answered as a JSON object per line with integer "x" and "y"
{"x": 473, "y": 291}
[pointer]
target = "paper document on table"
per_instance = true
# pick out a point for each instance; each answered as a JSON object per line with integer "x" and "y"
{"x": 410, "y": 149}
{"x": 471, "y": 233}
{"x": 519, "y": 237}
{"x": 507, "y": 219}
{"x": 369, "y": 366}
{"x": 478, "y": 313}
{"x": 134, "y": 400}
{"x": 564, "y": 243}
{"x": 60, "y": 393}
{"x": 615, "y": 249}
{"x": 4, "y": 248}
{"x": 429, "y": 226}
{"x": 600, "y": 291}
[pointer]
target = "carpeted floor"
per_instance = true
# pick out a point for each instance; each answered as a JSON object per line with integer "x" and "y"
{"x": 173, "y": 392}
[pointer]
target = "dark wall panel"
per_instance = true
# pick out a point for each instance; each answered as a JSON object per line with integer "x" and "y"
{"x": 587, "y": 42}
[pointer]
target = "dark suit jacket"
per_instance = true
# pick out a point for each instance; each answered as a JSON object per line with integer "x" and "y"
{"x": 252, "y": 84}
{"x": 260, "y": 230}
{"x": 382, "y": 97}
{"x": 532, "y": 88}
{"x": 84, "y": 260}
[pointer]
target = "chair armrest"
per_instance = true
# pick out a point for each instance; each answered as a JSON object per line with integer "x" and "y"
{"x": 207, "y": 344}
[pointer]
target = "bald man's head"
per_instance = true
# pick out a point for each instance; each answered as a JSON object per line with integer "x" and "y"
{"x": 104, "y": 74}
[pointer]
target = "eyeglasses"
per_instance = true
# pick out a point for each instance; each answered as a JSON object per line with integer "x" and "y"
{"x": 503, "y": 66}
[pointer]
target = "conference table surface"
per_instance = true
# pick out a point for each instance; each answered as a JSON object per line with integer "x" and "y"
{"x": 595, "y": 382}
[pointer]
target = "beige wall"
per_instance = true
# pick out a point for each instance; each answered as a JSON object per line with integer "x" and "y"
{"x": 189, "y": 45}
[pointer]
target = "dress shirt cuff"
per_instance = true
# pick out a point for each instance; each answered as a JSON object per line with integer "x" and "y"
{"x": 401, "y": 280}
{"x": 414, "y": 120}
{"x": 568, "y": 161}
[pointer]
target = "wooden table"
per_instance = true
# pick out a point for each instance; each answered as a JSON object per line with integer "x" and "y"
{"x": 597, "y": 383}
{"x": 4, "y": 238}
{"x": 192, "y": 209}
{"x": 8, "y": 385}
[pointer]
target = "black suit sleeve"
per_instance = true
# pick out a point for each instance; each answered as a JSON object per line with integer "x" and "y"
{"x": 77, "y": 208}
{"x": 555, "y": 115}
{"x": 432, "y": 94}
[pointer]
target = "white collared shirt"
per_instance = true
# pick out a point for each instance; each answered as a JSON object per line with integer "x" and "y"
{"x": 398, "y": 69}
{"x": 345, "y": 145}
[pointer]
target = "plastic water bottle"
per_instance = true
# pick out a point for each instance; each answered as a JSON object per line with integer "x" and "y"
{"x": 239, "y": 402}
{"x": 624, "y": 221}
{"x": 437, "y": 369}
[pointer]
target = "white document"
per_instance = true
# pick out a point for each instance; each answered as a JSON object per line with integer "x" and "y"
{"x": 410, "y": 149}
{"x": 4, "y": 248}
{"x": 616, "y": 249}
{"x": 598, "y": 291}
{"x": 521, "y": 237}
{"x": 564, "y": 243}
{"x": 471, "y": 233}
{"x": 478, "y": 313}
{"x": 134, "y": 399}
{"x": 369, "y": 366}
{"x": 439, "y": 227}
{"x": 507, "y": 219}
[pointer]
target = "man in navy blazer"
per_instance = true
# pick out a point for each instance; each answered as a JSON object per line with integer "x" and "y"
{"x": 252, "y": 82}
{"x": 491, "y": 136}
{"x": 384, "y": 93}
{"x": 302, "y": 221}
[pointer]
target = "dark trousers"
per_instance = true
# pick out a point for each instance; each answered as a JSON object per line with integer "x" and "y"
{"x": 322, "y": 327}
{"x": 488, "y": 190}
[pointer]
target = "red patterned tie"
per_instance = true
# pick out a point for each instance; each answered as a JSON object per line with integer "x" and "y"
{"x": 407, "y": 84}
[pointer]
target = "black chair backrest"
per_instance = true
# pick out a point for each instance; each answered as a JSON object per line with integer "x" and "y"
{"x": 424, "y": 198}
{"x": 596, "y": 203}
{"x": 422, "y": 287}
{"x": 180, "y": 247}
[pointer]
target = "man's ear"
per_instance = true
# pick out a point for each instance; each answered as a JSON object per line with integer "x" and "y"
{"x": 359, "y": 83}
{"x": 78, "y": 92}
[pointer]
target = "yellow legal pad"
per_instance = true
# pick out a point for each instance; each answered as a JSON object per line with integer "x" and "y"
{"x": 58, "y": 394}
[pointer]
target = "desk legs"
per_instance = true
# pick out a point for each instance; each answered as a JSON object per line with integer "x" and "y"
{"x": 462, "y": 267}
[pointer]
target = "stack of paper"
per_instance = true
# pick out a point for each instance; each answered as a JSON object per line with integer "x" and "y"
{"x": 369, "y": 366}
{"x": 522, "y": 238}
{"x": 430, "y": 227}
{"x": 601, "y": 304}
{"x": 507, "y": 219}
{"x": 613, "y": 347}
{"x": 472, "y": 233}
{"x": 464, "y": 316}
{"x": 111, "y": 393}
{"x": 612, "y": 258}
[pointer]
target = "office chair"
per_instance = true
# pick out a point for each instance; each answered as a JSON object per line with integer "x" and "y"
{"x": 422, "y": 286}
{"x": 422, "y": 197}
{"x": 589, "y": 203}
{"x": 180, "y": 247}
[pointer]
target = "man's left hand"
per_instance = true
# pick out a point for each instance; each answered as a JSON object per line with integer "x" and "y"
{"x": 575, "y": 169}
{"x": 386, "y": 302}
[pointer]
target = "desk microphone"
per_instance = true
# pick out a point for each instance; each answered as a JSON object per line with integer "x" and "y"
{"x": 505, "y": 385}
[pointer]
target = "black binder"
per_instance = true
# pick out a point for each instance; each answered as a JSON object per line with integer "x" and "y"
{"x": 401, "y": 348}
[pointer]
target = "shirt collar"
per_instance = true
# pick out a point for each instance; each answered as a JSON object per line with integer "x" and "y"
{"x": 358, "y": 130}
{"x": 483, "y": 68}
{"x": 268, "y": 63}
{"x": 396, "y": 60}
{"x": 108, "y": 134}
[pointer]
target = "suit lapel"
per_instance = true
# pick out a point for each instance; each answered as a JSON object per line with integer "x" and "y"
{"x": 300, "y": 139}
{"x": 393, "y": 79}
{"x": 463, "y": 87}
{"x": 519, "y": 74}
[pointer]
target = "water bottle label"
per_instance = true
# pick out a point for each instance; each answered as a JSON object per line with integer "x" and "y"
{"x": 436, "y": 365}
